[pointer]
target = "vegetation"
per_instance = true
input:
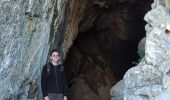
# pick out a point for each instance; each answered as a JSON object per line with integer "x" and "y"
{"x": 141, "y": 54}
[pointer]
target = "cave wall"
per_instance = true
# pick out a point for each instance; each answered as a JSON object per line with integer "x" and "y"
{"x": 105, "y": 46}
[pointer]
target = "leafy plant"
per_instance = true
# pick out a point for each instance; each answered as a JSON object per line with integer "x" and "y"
{"x": 141, "y": 54}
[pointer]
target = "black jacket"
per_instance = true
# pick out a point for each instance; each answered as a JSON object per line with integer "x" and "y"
{"x": 53, "y": 81}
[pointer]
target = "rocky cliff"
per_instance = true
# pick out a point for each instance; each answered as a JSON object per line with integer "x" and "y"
{"x": 98, "y": 42}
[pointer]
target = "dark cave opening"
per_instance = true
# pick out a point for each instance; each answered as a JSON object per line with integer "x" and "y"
{"x": 105, "y": 47}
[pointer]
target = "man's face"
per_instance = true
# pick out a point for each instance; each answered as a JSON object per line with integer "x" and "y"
{"x": 55, "y": 56}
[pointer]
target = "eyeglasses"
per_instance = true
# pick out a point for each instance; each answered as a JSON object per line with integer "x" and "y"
{"x": 55, "y": 55}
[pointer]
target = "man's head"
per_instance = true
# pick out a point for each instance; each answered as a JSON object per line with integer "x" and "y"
{"x": 54, "y": 55}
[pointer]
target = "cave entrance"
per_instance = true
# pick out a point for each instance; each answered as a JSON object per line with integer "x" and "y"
{"x": 106, "y": 46}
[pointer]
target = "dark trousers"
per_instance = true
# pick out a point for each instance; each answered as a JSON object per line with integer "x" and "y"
{"x": 55, "y": 96}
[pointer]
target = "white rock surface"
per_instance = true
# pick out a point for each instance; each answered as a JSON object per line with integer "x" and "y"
{"x": 117, "y": 91}
{"x": 150, "y": 79}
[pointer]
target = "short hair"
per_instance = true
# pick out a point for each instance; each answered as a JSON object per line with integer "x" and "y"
{"x": 54, "y": 50}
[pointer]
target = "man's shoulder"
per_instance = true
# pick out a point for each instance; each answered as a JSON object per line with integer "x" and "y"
{"x": 47, "y": 65}
{"x": 61, "y": 67}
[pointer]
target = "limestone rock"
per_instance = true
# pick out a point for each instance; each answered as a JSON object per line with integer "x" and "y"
{"x": 150, "y": 79}
{"x": 116, "y": 91}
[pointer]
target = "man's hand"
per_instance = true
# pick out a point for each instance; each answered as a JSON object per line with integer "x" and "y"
{"x": 65, "y": 97}
{"x": 46, "y": 98}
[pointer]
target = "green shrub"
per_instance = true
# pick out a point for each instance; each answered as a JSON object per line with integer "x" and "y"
{"x": 141, "y": 54}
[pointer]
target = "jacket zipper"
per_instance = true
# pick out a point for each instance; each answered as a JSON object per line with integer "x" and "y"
{"x": 56, "y": 76}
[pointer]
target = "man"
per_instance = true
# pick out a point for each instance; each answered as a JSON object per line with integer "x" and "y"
{"x": 53, "y": 83}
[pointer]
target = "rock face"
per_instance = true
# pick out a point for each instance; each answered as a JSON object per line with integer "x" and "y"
{"x": 29, "y": 28}
{"x": 25, "y": 39}
{"x": 150, "y": 79}
{"x": 97, "y": 38}
{"x": 117, "y": 91}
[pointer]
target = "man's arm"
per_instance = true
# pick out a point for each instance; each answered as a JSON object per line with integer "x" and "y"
{"x": 44, "y": 82}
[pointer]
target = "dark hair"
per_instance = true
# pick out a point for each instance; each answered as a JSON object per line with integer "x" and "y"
{"x": 54, "y": 50}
